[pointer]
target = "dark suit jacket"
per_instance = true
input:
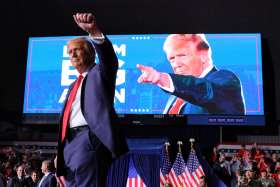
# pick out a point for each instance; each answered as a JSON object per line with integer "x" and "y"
{"x": 49, "y": 181}
{"x": 30, "y": 182}
{"x": 219, "y": 92}
{"x": 15, "y": 182}
{"x": 97, "y": 103}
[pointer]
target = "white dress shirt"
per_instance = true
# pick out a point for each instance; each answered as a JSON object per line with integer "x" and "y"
{"x": 76, "y": 117}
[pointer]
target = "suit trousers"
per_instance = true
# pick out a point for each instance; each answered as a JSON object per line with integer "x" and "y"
{"x": 87, "y": 160}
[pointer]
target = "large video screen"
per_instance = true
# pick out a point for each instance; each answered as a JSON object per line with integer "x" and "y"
{"x": 229, "y": 91}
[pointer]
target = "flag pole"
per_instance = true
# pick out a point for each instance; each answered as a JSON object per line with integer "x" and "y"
{"x": 166, "y": 182}
{"x": 180, "y": 143}
{"x": 192, "y": 140}
{"x": 167, "y": 144}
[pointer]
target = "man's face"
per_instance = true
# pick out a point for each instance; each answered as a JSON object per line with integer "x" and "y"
{"x": 34, "y": 176}
{"x": 248, "y": 174}
{"x": 274, "y": 156}
{"x": 184, "y": 58}
{"x": 201, "y": 182}
{"x": 78, "y": 55}
{"x": 222, "y": 158}
{"x": 44, "y": 167}
{"x": 20, "y": 171}
{"x": 9, "y": 171}
{"x": 263, "y": 174}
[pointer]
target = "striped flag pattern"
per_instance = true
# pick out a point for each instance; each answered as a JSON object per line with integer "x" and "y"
{"x": 134, "y": 179}
{"x": 177, "y": 172}
{"x": 164, "y": 168}
{"x": 193, "y": 170}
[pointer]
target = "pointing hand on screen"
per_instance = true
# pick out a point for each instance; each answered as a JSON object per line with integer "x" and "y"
{"x": 150, "y": 75}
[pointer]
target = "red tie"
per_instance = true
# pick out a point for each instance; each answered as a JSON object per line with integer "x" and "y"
{"x": 68, "y": 106}
{"x": 177, "y": 106}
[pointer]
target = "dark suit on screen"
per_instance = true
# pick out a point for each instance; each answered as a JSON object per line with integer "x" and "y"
{"x": 219, "y": 92}
{"x": 91, "y": 150}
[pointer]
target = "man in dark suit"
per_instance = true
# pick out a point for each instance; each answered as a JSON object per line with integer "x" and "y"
{"x": 48, "y": 180}
{"x": 33, "y": 180}
{"x": 18, "y": 180}
{"x": 87, "y": 140}
{"x": 196, "y": 86}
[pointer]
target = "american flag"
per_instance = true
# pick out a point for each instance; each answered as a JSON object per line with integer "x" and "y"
{"x": 177, "y": 173}
{"x": 193, "y": 170}
{"x": 164, "y": 168}
{"x": 134, "y": 179}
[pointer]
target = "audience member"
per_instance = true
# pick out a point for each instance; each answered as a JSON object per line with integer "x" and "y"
{"x": 222, "y": 168}
{"x": 18, "y": 180}
{"x": 249, "y": 180}
{"x": 203, "y": 181}
{"x": 266, "y": 180}
{"x": 235, "y": 165}
{"x": 32, "y": 181}
{"x": 48, "y": 180}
